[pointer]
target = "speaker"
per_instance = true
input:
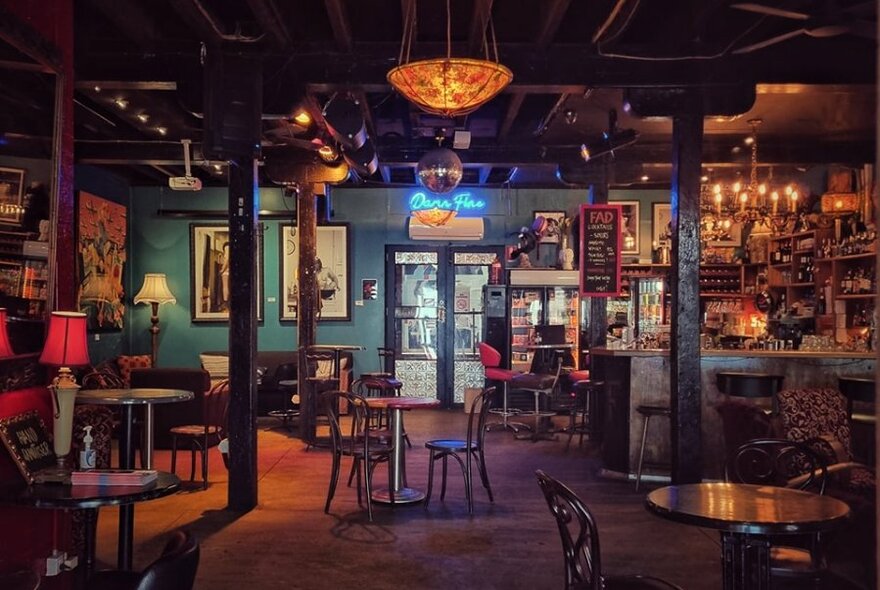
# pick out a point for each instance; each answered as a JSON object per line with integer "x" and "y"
{"x": 233, "y": 104}
{"x": 495, "y": 320}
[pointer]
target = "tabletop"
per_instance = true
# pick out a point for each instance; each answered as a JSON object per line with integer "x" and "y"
{"x": 745, "y": 508}
{"x": 337, "y": 347}
{"x": 69, "y": 496}
{"x": 563, "y": 346}
{"x": 137, "y": 396}
{"x": 403, "y": 402}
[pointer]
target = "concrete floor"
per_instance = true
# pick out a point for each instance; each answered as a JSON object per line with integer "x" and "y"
{"x": 288, "y": 541}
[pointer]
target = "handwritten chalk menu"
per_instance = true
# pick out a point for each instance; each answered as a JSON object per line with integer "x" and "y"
{"x": 600, "y": 250}
{"x": 28, "y": 442}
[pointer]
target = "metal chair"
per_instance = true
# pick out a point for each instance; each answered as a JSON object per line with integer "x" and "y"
{"x": 201, "y": 436}
{"x": 472, "y": 449}
{"x": 356, "y": 443}
{"x": 540, "y": 385}
{"x": 490, "y": 358}
{"x": 175, "y": 569}
{"x": 583, "y": 415}
{"x": 580, "y": 543}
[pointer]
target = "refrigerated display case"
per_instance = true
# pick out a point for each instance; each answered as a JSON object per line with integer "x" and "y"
{"x": 541, "y": 297}
{"x": 643, "y": 308}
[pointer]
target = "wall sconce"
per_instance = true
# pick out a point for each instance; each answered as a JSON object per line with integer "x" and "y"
{"x": 154, "y": 291}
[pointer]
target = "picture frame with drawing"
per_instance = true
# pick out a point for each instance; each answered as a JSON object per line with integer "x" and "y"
{"x": 11, "y": 195}
{"x": 661, "y": 224}
{"x": 629, "y": 226}
{"x": 333, "y": 272}
{"x": 553, "y": 219}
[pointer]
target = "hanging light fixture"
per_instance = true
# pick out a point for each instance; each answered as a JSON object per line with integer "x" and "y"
{"x": 724, "y": 204}
{"x": 448, "y": 86}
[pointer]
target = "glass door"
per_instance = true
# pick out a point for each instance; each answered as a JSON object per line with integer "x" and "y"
{"x": 435, "y": 319}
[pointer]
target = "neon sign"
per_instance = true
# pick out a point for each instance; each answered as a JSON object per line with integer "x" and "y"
{"x": 461, "y": 203}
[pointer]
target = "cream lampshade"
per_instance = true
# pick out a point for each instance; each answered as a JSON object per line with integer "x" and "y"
{"x": 154, "y": 291}
{"x": 65, "y": 347}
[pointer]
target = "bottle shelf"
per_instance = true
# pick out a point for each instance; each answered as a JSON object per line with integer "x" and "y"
{"x": 857, "y": 296}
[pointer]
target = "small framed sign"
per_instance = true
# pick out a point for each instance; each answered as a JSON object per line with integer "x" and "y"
{"x": 28, "y": 442}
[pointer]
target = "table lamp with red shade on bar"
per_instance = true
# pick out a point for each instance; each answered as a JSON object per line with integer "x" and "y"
{"x": 65, "y": 347}
{"x": 5, "y": 346}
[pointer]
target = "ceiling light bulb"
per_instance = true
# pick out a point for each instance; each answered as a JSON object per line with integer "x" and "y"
{"x": 585, "y": 152}
{"x": 143, "y": 117}
{"x": 744, "y": 198}
{"x": 327, "y": 153}
{"x": 303, "y": 118}
{"x": 704, "y": 179}
{"x": 97, "y": 88}
{"x": 774, "y": 196}
{"x": 736, "y": 187}
{"x": 762, "y": 189}
{"x": 716, "y": 189}
{"x": 162, "y": 130}
{"x": 794, "y": 195}
{"x": 121, "y": 103}
{"x": 217, "y": 166}
{"x": 749, "y": 140}
{"x": 645, "y": 178}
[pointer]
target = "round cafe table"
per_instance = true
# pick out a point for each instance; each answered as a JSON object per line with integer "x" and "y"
{"x": 749, "y": 517}
{"x": 127, "y": 399}
{"x": 402, "y": 494}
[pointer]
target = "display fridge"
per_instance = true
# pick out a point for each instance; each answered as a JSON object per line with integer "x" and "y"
{"x": 541, "y": 297}
{"x": 642, "y": 310}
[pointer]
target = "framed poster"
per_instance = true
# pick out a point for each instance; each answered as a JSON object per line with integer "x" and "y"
{"x": 661, "y": 224}
{"x": 209, "y": 273}
{"x": 730, "y": 238}
{"x": 629, "y": 226}
{"x": 101, "y": 255}
{"x": 553, "y": 218}
{"x": 600, "y": 250}
{"x": 332, "y": 271}
{"x": 11, "y": 194}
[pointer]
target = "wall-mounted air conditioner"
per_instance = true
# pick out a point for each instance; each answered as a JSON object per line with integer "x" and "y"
{"x": 456, "y": 229}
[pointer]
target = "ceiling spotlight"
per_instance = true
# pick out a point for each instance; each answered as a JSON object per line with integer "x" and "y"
{"x": 328, "y": 153}
{"x": 143, "y": 117}
{"x": 121, "y": 102}
{"x": 608, "y": 143}
{"x": 645, "y": 178}
{"x": 585, "y": 152}
{"x": 162, "y": 130}
{"x": 571, "y": 116}
{"x": 217, "y": 167}
{"x": 303, "y": 118}
{"x": 97, "y": 88}
{"x": 749, "y": 140}
{"x": 736, "y": 149}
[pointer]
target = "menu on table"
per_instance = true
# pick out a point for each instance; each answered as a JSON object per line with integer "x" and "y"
{"x": 600, "y": 250}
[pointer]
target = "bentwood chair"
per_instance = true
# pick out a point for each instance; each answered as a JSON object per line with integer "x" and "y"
{"x": 580, "y": 543}
{"x": 471, "y": 448}
{"x": 175, "y": 569}
{"x": 355, "y": 442}
{"x": 201, "y": 436}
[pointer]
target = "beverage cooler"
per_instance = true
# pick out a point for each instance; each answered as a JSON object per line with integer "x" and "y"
{"x": 541, "y": 297}
{"x": 643, "y": 309}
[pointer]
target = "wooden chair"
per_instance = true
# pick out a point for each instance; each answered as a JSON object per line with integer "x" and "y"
{"x": 365, "y": 451}
{"x": 201, "y": 436}
{"x": 471, "y": 448}
{"x": 175, "y": 569}
{"x": 580, "y": 543}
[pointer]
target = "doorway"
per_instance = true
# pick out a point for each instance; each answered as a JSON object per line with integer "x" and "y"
{"x": 434, "y": 317}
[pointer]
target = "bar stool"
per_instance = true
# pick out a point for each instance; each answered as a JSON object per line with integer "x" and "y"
{"x": 491, "y": 361}
{"x": 584, "y": 416}
{"x": 751, "y": 385}
{"x": 539, "y": 384}
{"x": 647, "y": 412}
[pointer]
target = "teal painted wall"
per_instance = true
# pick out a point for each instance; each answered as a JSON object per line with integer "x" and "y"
{"x": 377, "y": 217}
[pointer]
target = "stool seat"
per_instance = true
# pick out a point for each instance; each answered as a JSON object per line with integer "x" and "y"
{"x": 654, "y": 410}
{"x": 749, "y": 384}
{"x": 584, "y": 414}
{"x": 533, "y": 381}
{"x": 648, "y": 411}
{"x": 579, "y": 375}
{"x": 498, "y": 374}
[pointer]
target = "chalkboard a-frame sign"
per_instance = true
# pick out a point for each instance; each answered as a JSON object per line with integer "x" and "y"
{"x": 600, "y": 250}
{"x": 28, "y": 442}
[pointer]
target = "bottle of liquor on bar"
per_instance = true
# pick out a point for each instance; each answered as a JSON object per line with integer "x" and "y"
{"x": 822, "y": 303}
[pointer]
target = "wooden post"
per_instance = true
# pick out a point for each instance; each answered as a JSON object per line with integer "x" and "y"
{"x": 307, "y": 307}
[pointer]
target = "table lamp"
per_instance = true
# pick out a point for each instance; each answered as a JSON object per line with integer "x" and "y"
{"x": 5, "y": 346}
{"x": 65, "y": 347}
{"x": 154, "y": 291}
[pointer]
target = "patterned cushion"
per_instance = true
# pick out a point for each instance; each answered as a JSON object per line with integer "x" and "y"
{"x": 217, "y": 365}
{"x": 104, "y": 376}
{"x": 127, "y": 363}
{"x": 815, "y": 413}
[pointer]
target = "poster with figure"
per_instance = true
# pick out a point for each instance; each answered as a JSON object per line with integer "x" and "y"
{"x": 210, "y": 278}
{"x": 101, "y": 257}
{"x": 331, "y": 268}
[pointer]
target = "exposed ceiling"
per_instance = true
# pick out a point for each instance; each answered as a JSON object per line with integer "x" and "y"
{"x": 812, "y": 64}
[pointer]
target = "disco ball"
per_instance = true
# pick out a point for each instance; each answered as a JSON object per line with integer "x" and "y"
{"x": 439, "y": 170}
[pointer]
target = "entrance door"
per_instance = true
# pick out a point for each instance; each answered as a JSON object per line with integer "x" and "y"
{"x": 434, "y": 319}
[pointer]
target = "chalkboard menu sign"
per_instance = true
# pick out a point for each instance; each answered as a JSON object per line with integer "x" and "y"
{"x": 28, "y": 442}
{"x": 600, "y": 250}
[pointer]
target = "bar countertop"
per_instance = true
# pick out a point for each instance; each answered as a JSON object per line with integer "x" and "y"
{"x": 721, "y": 352}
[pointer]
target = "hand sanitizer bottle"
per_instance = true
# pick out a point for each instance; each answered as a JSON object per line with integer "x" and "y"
{"x": 87, "y": 456}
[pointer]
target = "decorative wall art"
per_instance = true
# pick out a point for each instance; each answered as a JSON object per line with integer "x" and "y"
{"x": 209, "y": 273}
{"x": 101, "y": 257}
{"x": 11, "y": 192}
{"x": 332, "y": 268}
{"x": 661, "y": 219}
{"x": 553, "y": 218}
{"x": 629, "y": 226}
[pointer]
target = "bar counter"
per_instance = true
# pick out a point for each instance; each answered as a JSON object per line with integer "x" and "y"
{"x": 635, "y": 377}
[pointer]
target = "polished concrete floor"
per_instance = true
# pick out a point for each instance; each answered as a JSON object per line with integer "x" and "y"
{"x": 289, "y": 542}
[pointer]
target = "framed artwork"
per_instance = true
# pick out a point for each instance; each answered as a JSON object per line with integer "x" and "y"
{"x": 332, "y": 268}
{"x": 629, "y": 226}
{"x": 209, "y": 273}
{"x": 661, "y": 224}
{"x": 101, "y": 256}
{"x": 11, "y": 194}
{"x": 732, "y": 238}
{"x": 553, "y": 218}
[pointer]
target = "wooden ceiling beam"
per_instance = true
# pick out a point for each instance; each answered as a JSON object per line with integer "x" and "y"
{"x": 340, "y": 25}
{"x": 271, "y": 21}
{"x": 479, "y": 23}
{"x": 513, "y": 108}
{"x": 131, "y": 20}
{"x": 165, "y": 85}
{"x": 197, "y": 16}
{"x": 553, "y": 14}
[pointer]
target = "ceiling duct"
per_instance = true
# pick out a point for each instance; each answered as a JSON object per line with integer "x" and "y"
{"x": 345, "y": 122}
{"x": 363, "y": 159}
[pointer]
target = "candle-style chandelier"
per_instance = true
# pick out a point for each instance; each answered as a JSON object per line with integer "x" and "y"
{"x": 759, "y": 204}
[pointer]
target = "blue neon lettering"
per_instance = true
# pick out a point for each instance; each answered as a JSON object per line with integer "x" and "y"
{"x": 460, "y": 202}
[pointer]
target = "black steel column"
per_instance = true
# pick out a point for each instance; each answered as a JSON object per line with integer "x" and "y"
{"x": 244, "y": 264}
{"x": 597, "y": 331}
{"x": 308, "y": 305}
{"x": 684, "y": 358}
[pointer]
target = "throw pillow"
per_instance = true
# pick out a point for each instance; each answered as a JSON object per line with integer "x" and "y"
{"x": 216, "y": 365}
{"x": 126, "y": 363}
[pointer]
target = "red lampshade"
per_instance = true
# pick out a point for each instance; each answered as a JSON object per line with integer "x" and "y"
{"x": 66, "y": 341}
{"x": 5, "y": 346}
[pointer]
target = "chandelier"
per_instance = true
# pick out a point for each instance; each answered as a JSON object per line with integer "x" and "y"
{"x": 448, "y": 86}
{"x": 758, "y": 204}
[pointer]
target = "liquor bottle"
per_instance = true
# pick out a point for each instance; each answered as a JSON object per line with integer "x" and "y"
{"x": 822, "y": 303}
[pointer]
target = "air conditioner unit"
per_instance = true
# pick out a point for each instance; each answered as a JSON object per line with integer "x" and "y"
{"x": 456, "y": 229}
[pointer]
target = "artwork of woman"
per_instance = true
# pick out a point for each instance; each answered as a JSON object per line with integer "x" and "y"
{"x": 102, "y": 259}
